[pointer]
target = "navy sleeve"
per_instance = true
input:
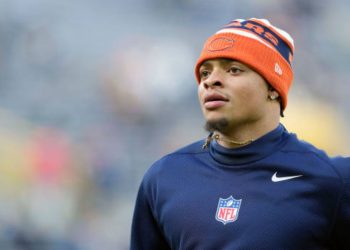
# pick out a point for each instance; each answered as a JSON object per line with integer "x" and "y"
{"x": 341, "y": 233}
{"x": 145, "y": 232}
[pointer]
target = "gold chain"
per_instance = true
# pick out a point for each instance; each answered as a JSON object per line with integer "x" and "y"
{"x": 218, "y": 138}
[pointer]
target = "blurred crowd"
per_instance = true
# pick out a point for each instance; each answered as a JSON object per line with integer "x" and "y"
{"x": 93, "y": 92}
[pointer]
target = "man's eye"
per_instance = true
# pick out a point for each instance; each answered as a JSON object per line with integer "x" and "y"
{"x": 235, "y": 70}
{"x": 204, "y": 74}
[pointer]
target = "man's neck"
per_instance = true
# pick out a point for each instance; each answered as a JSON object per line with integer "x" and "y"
{"x": 241, "y": 135}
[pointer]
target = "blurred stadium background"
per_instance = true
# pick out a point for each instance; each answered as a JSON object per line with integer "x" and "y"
{"x": 92, "y": 92}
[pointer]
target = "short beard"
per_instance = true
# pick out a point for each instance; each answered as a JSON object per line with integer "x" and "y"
{"x": 221, "y": 125}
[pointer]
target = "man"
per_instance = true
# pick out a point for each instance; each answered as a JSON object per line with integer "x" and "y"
{"x": 250, "y": 184}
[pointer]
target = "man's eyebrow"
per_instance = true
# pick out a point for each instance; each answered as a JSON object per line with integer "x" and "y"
{"x": 232, "y": 62}
{"x": 205, "y": 64}
{"x": 228, "y": 61}
{"x": 223, "y": 62}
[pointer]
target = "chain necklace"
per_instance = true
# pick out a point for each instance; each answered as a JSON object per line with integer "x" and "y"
{"x": 217, "y": 137}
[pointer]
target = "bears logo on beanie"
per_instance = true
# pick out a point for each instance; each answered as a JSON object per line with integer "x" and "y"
{"x": 256, "y": 42}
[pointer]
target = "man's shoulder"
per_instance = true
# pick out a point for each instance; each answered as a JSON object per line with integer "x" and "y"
{"x": 172, "y": 159}
{"x": 299, "y": 146}
{"x": 340, "y": 164}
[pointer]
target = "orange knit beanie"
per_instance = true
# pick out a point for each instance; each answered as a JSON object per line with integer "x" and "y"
{"x": 256, "y": 42}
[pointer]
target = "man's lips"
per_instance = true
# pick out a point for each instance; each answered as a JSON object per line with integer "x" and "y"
{"x": 214, "y": 100}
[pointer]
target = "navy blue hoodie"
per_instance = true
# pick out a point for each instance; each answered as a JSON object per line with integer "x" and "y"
{"x": 275, "y": 193}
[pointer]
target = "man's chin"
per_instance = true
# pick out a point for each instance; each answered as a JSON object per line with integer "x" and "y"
{"x": 220, "y": 125}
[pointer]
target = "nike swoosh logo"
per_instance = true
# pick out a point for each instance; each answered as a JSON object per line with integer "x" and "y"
{"x": 275, "y": 178}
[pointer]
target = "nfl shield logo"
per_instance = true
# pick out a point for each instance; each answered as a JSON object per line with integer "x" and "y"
{"x": 227, "y": 210}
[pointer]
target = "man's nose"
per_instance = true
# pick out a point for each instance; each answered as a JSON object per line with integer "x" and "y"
{"x": 214, "y": 80}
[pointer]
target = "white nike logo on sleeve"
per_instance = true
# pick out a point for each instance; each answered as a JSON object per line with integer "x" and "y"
{"x": 275, "y": 178}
